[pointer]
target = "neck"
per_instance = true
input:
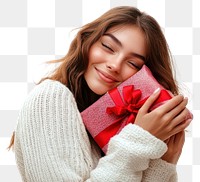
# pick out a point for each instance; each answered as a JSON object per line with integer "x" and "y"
{"x": 88, "y": 97}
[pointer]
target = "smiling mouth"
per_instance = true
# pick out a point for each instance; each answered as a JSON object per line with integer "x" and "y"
{"x": 105, "y": 77}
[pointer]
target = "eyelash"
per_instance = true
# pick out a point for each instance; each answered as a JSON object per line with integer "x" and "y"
{"x": 110, "y": 49}
{"x": 107, "y": 47}
{"x": 137, "y": 67}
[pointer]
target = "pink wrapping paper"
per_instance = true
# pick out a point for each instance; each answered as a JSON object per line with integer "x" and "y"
{"x": 96, "y": 118}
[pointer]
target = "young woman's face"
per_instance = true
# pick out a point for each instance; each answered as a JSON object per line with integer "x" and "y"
{"x": 115, "y": 57}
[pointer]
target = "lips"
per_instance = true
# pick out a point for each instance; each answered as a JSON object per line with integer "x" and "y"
{"x": 106, "y": 77}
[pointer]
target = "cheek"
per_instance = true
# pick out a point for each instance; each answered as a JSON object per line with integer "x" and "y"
{"x": 95, "y": 55}
{"x": 127, "y": 73}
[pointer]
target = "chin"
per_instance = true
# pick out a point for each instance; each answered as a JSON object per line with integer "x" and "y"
{"x": 98, "y": 88}
{"x": 98, "y": 91}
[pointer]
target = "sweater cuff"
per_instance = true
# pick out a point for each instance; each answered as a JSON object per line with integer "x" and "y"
{"x": 134, "y": 137}
{"x": 133, "y": 148}
{"x": 160, "y": 170}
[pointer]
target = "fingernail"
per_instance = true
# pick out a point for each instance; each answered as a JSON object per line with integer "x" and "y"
{"x": 157, "y": 90}
{"x": 189, "y": 121}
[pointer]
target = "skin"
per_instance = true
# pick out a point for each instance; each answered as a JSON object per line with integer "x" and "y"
{"x": 118, "y": 55}
{"x": 114, "y": 58}
{"x": 167, "y": 123}
{"x": 175, "y": 145}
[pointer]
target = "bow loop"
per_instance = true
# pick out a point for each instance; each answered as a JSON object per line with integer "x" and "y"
{"x": 130, "y": 95}
{"x": 117, "y": 110}
{"x": 125, "y": 109}
{"x": 132, "y": 108}
{"x": 131, "y": 103}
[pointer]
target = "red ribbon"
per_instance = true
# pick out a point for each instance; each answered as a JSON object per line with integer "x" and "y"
{"x": 130, "y": 107}
{"x": 125, "y": 109}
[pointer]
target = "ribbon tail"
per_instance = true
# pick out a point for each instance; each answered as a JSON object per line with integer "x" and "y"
{"x": 104, "y": 136}
{"x": 131, "y": 119}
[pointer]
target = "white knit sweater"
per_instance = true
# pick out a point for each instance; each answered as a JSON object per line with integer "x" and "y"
{"x": 52, "y": 145}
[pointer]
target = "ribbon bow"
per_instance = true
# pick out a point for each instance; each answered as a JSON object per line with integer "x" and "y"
{"x": 126, "y": 108}
{"x": 130, "y": 107}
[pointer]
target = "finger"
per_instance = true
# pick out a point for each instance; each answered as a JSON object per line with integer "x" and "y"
{"x": 167, "y": 140}
{"x": 181, "y": 126}
{"x": 171, "y": 140}
{"x": 180, "y": 136}
{"x": 179, "y": 109}
{"x": 147, "y": 105}
{"x": 171, "y": 104}
{"x": 177, "y": 114}
{"x": 182, "y": 116}
{"x": 179, "y": 139}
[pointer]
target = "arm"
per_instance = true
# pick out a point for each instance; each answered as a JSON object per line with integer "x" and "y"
{"x": 51, "y": 143}
{"x": 128, "y": 155}
{"x": 172, "y": 118}
{"x": 165, "y": 169}
{"x": 160, "y": 170}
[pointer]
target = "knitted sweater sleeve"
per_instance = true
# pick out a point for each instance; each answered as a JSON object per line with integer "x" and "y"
{"x": 160, "y": 170}
{"x": 51, "y": 144}
{"x": 49, "y": 137}
{"x": 137, "y": 154}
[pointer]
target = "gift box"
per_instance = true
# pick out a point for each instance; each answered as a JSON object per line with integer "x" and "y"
{"x": 118, "y": 107}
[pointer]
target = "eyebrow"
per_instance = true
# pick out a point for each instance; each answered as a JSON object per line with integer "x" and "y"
{"x": 120, "y": 44}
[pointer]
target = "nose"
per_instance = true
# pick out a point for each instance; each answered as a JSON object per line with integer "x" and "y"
{"x": 114, "y": 64}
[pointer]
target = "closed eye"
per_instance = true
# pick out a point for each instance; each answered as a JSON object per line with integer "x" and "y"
{"x": 107, "y": 47}
{"x": 134, "y": 65}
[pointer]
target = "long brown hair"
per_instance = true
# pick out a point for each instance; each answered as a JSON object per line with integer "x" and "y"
{"x": 73, "y": 66}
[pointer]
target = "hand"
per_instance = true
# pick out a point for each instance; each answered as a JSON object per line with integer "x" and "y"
{"x": 166, "y": 120}
{"x": 175, "y": 144}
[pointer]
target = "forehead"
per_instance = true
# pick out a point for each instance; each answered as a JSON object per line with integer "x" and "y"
{"x": 128, "y": 31}
{"x": 131, "y": 36}
{"x": 121, "y": 27}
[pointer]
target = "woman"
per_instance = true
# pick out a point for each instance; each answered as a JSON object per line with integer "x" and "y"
{"x": 51, "y": 142}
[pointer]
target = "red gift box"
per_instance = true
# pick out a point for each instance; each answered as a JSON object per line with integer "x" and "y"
{"x": 118, "y": 107}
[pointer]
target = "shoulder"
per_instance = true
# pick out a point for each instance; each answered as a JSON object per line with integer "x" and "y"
{"x": 50, "y": 88}
{"x": 49, "y": 93}
{"x": 49, "y": 102}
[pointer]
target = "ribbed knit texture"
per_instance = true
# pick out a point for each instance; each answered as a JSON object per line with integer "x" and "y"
{"x": 52, "y": 145}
